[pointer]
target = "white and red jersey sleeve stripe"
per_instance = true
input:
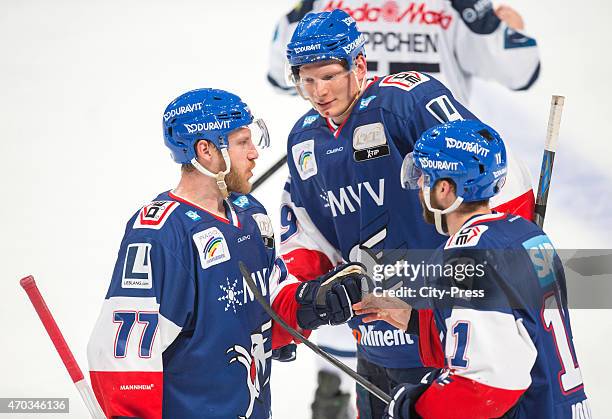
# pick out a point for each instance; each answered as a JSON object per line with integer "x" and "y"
{"x": 127, "y": 379}
{"x": 489, "y": 357}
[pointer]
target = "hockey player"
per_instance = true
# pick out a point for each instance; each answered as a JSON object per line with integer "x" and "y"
{"x": 344, "y": 201}
{"x": 455, "y": 40}
{"x": 505, "y": 347}
{"x": 180, "y": 334}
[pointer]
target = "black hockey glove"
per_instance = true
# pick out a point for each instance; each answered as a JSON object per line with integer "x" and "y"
{"x": 285, "y": 353}
{"x": 406, "y": 395}
{"x": 328, "y": 299}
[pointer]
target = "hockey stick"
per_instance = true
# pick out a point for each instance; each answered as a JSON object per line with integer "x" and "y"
{"x": 29, "y": 285}
{"x": 550, "y": 147}
{"x": 261, "y": 179}
{"x": 297, "y": 335}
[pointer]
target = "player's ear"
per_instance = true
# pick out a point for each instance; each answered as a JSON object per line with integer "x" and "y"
{"x": 361, "y": 66}
{"x": 204, "y": 151}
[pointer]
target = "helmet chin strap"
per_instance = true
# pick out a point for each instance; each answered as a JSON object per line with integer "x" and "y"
{"x": 350, "y": 106}
{"x": 438, "y": 212}
{"x": 219, "y": 177}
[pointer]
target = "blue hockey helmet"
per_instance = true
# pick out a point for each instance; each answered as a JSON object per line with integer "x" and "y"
{"x": 205, "y": 114}
{"x": 468, "y": 152}
{"x": 325, "y": 36}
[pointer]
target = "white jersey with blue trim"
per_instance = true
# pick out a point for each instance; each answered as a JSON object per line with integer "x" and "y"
{"x": 506, "y": 339}
{"x": 180, "y": 334}
{"x": 453, "y": 40}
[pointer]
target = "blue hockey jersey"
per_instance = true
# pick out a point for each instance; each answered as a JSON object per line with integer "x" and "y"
{"x": 180, "y": 334}
{"x": 506, "y": 340}
{"x": 344, "y": 200}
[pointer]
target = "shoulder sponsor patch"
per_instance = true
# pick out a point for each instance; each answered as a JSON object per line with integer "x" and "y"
{"x": 193, "y": 215}
{"x": 304, "y": 159}
{"x": 406, "y": 80}
{"x": 370, "y": 142}
{"x": 467, "y": 237}
{"x": 309, "y": 120}
{"x": 212, "y": 247}
{"x": 242, "y": 201}
{"x": 365, "y": 102}
{"x": 137, "y": 268}
{"x": 542, "y": 253}
{"x": 265, "y": 228}
{"x": 155, "y": 214}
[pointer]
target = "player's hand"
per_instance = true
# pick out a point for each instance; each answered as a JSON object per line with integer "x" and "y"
{"x": 510, "y": 17}
{"x": 285, "y": 353}
{"x": 390, "y": 309}
{"x": 404, "y": 396}
{"x": 329, "y": 298}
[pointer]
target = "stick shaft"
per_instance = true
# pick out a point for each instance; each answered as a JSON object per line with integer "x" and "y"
{"x": 550, "y": 147}
{"x": 269, "y": 172}
{"x": 298, "y": 336}
{"x": 76, "y": 375}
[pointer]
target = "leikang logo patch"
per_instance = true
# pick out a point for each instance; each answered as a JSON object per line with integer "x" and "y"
{"x": 212, "y": 247}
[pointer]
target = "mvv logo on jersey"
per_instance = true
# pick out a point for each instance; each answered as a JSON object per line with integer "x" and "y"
{"x": 212, "y": 247}
{"x": 304, "y": 159}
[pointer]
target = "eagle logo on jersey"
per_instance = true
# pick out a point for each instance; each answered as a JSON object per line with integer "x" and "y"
{"x": 254, "y": 360}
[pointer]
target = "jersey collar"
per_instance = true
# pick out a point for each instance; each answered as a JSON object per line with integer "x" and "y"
{"x": 232, "y": 218}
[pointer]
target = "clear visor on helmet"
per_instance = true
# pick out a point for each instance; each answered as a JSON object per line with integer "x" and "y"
{"x": 410, "y": 173}
{"x": 259, "y": 133}
{"x": 324, "y": 77}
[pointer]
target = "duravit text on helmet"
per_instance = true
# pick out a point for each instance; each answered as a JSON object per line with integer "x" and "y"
{"x": 314, "y": 47}
{"x": 207, "y": 126}
{"x": 437, "y": 164}
{"x": 182, "y": 110}
{"x": 359, "y": 41}
{"x": 467, "y": 146}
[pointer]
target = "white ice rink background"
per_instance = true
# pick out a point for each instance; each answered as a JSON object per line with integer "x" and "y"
{"x": 82, "y": 88}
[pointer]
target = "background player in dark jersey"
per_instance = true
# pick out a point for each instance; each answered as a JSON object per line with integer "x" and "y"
{"x": 180, "y": 334}
{"x": 344, "y": 201}
{"x": 502, "y": 342}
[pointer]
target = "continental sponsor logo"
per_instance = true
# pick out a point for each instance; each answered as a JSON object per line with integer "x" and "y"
{"x": 367, "y": 336}
{"x": 390, "y": 11}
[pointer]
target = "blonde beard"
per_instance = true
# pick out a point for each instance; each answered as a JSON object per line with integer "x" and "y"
{"x": 236, "y": 183}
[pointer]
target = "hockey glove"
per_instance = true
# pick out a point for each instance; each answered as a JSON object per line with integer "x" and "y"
{"x": 285, "y": 353}
{"x": 328, "y": 299}
{"x": 405, "y": 396}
